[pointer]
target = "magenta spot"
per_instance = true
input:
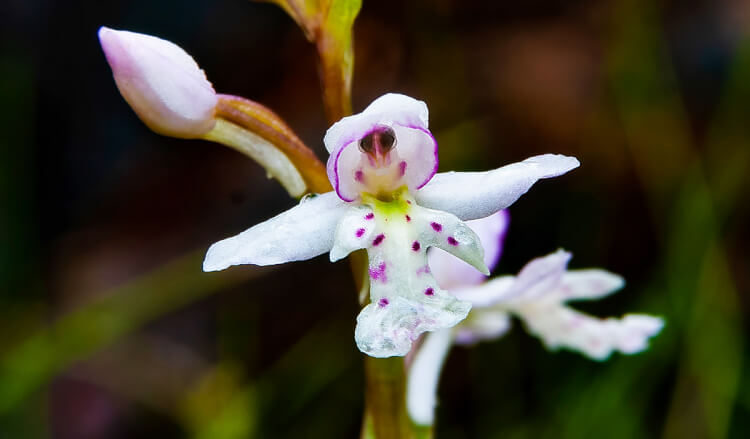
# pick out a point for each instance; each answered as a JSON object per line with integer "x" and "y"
{"x": 452, "y": 241}
{"x": 359, "y": 176}
{"x": 436, "y": 227}
{"x": 383, "y": 302}
{"x": 370, "y": 216}
{"x": 408, "y": 218}
{"x": 379, "y": 273}
{"x": 416, "y": 246}
{"x": 408, "y": 202}
{"x": 401, "y": 169}
{"x": 429, "y": 291}
{"x": 360, "y": 232}
{"x": 423, "y": 270}
{"x": 378, "y": 239}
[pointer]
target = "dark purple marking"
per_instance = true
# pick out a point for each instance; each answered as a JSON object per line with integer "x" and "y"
{"x": 436, "y": 226}
{"x": 429, "y": 291}
{"x": 401, "y": 169}
{"x": 360, "y": 232}
{"x": 452, "y": 241}
{"x": 379, "y": 273}
{"x": 378, "y": 239}
{"x": 383, "y": 302}
{"x": 408, "y": 202}
{"x": 416, "y": 246}
{"x": 408, "y": 218}
{"x": 370, "y": 216}
{"x": 359, "y": 176}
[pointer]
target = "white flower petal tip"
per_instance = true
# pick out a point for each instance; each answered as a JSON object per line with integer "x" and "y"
{"x": 389, "y": 327}
{"x": 473, "y": 195}
{"x": 589, "y": 284}
{"x": 398, "y": 148}
{"x": 300, "y": 233}
{"x": 161, "y": 82}
{"x": 593, "y": 337}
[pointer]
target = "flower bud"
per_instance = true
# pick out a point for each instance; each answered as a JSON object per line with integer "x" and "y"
{"x": 161, "y": 82}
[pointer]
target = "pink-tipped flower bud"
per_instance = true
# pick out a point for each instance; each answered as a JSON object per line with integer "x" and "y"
{"x": 161, "y": 82}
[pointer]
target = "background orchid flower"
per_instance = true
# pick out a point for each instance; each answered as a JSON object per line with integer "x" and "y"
{"x": 381, "y": 166}
{"x": 537, "y": 296}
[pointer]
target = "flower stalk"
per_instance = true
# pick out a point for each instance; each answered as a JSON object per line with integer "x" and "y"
{"x": 385, "y": 400}
{"x": 259, "y": 121}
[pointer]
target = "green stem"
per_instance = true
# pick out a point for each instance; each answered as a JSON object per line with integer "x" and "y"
{"x": 385, "y": 400}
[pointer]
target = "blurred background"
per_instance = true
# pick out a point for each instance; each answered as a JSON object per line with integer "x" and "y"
{"x": 109, "y": 328}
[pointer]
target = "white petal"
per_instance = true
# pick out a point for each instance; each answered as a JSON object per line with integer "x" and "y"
{"x": 588, "y": 284}
{"x": 389, "y": 109}
{"x": 444, "y": 231}
{"x": 413, "y": 160}
{"x": 452, "y": 273}
{"x": 482, "y": 324}
{"x": 424, "y": 375}
{"x": 473, "y": 195}
{"x": 300, "y": 233}
{"x": 163, "y": 84}
{"x": 354, "y": 232}
{"x": 561, "y": 327}
{"x": 539, "y": 278}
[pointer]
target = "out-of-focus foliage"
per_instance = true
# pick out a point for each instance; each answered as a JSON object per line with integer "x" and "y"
{"x": 110, "y": 329}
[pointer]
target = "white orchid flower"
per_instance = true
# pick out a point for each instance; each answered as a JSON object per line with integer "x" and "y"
{"x": 537, "y": 296}
{"x": 388, "y": 200}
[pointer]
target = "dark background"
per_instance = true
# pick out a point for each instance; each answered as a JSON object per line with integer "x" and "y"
{"x": 110, "y": 329}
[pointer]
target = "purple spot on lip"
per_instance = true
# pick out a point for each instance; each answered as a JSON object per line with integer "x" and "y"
{"x": 370, "y": 216}
{"x": 360, "y": 232}
{"x": 429, "y": 292}
{"x": 359, "y": 176}
{"x": 408, "y": 218}
{"x": 416, "y": 246}
{"x": 401, "y": 169}
{"x": 378, "y": 239}
{"x": 423, "y": 270}
{"x": 452, "y": 241}
{"x": 379, "y": 273}
{"x": 383, "y": 302}
{"x": 436, "y": 226}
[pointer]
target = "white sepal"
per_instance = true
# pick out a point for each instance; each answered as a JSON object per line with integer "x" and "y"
{"x": 473, "y": 195}
{"x": 300, "y": 233}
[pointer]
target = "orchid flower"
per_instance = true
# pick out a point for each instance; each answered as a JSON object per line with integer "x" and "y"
{"x": 388, "y": 200}
{"x": 537, "y": 296}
